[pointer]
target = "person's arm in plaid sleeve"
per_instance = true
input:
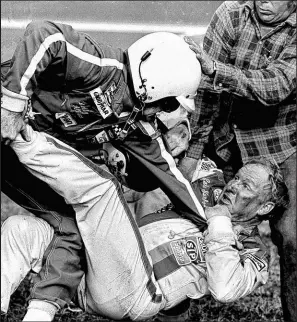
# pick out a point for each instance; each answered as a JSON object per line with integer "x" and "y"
{"x": 270, "y": 84}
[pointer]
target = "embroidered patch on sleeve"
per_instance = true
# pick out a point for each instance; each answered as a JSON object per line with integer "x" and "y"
{"x": 259, "y": 263}
{"x": 216, "y": 194}
{"x": 102, "y": 102}
{"x": 102, "y": 137}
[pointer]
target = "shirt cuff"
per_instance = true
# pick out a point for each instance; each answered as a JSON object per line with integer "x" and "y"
{"x": 12, "y": 101}
{"x": 224, "y": 77}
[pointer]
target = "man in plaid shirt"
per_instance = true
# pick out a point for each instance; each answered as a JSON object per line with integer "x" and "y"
{"x": 246, "y": 106}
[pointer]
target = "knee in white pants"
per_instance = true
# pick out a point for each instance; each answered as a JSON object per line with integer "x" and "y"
{"x": 23, "y": 242}
{"x": 15, "y": 228}
{"x": 26, "y": 229}
{"x": 17, "y": 224}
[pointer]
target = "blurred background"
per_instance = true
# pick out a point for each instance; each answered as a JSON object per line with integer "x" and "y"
{"x": 117, "y": 23}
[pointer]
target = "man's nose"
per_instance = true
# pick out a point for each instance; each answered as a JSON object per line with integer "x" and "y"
{"x": 233, "y": 186}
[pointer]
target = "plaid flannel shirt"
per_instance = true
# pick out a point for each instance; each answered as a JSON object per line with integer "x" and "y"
{"x": 253, "y": 94}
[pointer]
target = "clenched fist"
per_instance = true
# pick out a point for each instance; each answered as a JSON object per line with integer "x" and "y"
{"x": 12, "y": 123}
{"x": 178, "y": 139}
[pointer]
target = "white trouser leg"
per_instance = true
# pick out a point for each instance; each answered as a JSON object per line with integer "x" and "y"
{"x": 119, "y": 268}
{"x": 23, "y": 242}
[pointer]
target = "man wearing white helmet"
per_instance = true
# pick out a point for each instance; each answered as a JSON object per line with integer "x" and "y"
{"x": 65, "y": 84}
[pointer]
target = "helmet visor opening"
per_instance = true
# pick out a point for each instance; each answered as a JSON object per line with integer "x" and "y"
{"x": 166, "y": 104}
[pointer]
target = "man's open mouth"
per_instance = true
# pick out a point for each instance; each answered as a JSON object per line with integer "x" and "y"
{"x": 225, "y": 199}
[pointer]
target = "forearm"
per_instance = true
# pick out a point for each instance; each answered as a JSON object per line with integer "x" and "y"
{"x": 229, "y": 275}
{"x": 258, "y": 84}
{"x": 251, "y": 74}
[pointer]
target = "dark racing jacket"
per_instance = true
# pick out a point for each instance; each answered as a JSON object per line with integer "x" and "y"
{"x": 76, "y": 88}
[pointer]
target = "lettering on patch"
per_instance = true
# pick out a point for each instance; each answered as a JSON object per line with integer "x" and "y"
{"x": 192, "y": 250}
{"x": 109, "y": 93}
{"x": 205, "y": 191}
{"x": 66, "y": 119}
{"x": 216, "y": 194}
{"x": 102, "y": 101}
{"x": 102, "y": 137}
{"x": 179, "y": 252}
{"x": 188, "y": 250}
{"x": 80, "y": 108}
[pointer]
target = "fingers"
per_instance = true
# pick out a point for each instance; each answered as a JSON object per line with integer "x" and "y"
{"x": 195, "y": 47}
{"x": 189, "y": 41}
{"x": 178, "y": 146}
{"x": 217, "y": 210}
{"x": 9, "y": 134}
{"x": 178, "y": 139}
{"x": 6, "y": 138}
{"x": 179, "y": 149}
{"x": 25, "y": 134}
{"x": 6, "y": 141}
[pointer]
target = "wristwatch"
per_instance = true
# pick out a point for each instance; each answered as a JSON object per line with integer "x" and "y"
{"x": 214, "y": 68}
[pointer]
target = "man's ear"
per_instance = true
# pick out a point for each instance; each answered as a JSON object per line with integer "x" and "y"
{"x": 266, "y": 208}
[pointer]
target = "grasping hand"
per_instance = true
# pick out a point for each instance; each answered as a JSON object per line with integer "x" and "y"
{"x": 207, "y": 64}
{"x": 12, "y": 123}
{"x": 217, "y": 210}
{"x": 178, "y": 139}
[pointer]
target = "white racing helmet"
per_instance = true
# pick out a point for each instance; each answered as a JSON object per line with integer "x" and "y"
{"x": 162, "y": 65}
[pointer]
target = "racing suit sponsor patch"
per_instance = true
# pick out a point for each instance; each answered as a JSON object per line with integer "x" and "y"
{"x": 103, "y": 100}
{"x": 66, "y": 119}
{"x": 189, "y": 249}
{"x": 257, "y": 261}
{"x": 109, "y": 93}
{"x": 179, "y": 252}
{"x": 102, "y": 137}
{"x": 216, "y": 194}
{"x": 210, "y": 187}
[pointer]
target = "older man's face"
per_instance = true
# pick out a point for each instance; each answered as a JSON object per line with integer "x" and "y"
{"x": 245, "y": 194}
{"x": 273, "y": 12}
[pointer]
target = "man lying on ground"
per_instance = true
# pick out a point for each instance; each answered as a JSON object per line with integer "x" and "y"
{"x": 227, "y": 260}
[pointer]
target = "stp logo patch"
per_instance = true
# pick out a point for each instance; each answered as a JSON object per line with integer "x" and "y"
{"x": 188, "y": 250}
{"x": 192, "y": 250}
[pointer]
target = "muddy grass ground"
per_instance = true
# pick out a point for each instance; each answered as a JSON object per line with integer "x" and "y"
{"x": 263, "y": 305}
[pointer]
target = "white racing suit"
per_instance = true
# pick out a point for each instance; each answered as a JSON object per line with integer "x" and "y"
{"x": 76, "y": 87}
{"x": 166, "y": 255}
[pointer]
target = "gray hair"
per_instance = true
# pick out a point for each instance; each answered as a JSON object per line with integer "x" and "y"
{"x": 292, "y": 4}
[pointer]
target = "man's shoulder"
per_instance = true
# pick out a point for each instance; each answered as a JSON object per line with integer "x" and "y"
{"x": 235, "y": 6}
{"x": 254, "y": 249}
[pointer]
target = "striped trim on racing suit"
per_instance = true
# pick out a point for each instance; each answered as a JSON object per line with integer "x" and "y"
{"x": 73, "y": 81}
